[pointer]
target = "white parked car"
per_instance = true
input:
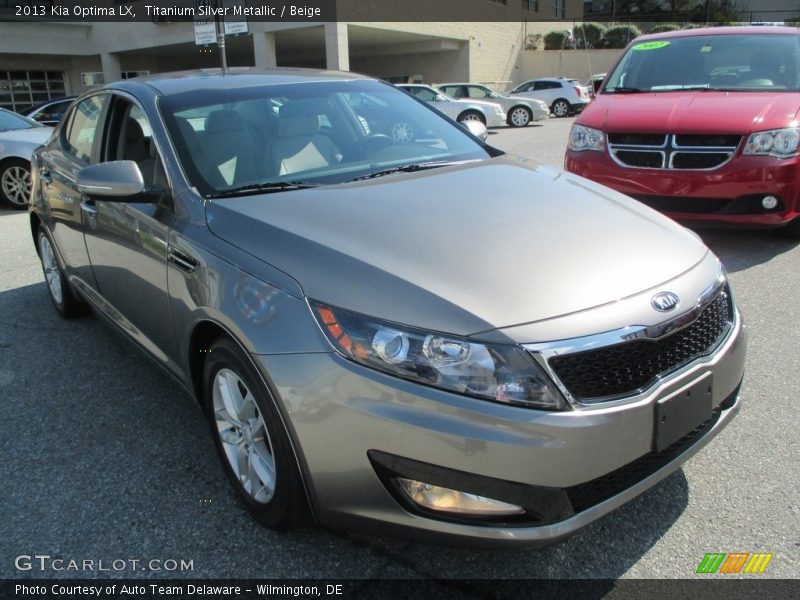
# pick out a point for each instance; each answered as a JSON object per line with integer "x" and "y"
{"x": 563, "y": 96}
{"x": 519, "y": 111}
{"x": 18, "y": 137}
{"x": 487, "y": 113}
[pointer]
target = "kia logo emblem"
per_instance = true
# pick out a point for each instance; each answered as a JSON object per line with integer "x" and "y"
{"x": 665, "y": 301}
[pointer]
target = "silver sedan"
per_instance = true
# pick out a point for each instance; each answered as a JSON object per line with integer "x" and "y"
{"x": 519, "y": 111}
{"x": 488, "y": 113}
{"x": 18, "y": 137}
{"x": 424, "y": 337}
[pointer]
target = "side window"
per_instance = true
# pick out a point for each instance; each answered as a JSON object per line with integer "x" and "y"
{"x": 477, "y": 92}
{"x": 131, "y": 138}
{"x": 540, "y": 85}
{"x": 82, "y": 127}
{"x": 425, "y": 94}
{"x": 526, "y": 87}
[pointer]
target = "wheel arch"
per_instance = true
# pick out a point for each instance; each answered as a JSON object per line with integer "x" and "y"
{"x": 203, "y": 336}
{"x": 35, "y": 223}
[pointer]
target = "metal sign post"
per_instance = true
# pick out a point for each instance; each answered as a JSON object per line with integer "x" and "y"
{"x": 220, "y": 27}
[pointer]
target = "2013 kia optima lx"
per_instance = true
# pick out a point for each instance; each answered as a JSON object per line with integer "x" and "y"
{"x": 416, "y": 334}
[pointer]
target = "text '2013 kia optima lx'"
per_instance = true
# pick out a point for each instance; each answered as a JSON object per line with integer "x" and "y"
{"x": 421, "y": 336}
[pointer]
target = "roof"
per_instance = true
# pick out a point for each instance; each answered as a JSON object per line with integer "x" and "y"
{"x": 239, "y": 77}
{"x": 749, "y": 29}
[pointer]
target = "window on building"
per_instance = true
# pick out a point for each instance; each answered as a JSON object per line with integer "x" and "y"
{"x": 558, "y": 9}
{"x": 19, "y": 90}
{"x": 530, "y": 5}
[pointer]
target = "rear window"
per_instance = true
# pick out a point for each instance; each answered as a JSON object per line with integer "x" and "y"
{"x": 742, "y": 62}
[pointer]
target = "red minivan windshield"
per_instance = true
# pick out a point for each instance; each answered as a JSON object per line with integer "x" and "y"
{"x": 740, "y": 62}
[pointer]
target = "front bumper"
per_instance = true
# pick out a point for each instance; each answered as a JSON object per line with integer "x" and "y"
{"x": 495, "y": 120}
{"x": 727, "y": 195}
{"x": 338, "y": 412}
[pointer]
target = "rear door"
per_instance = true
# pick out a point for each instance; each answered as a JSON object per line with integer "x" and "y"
{"x": 73, "y": 148}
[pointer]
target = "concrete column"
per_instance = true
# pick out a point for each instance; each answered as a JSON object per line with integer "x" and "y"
{"x": 337, "y": 49}
{"x": 264, "y": 50}
{"x": 111, "y": 67}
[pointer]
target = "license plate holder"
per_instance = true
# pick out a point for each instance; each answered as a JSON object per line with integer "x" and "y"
{"x": 681, "y": 412}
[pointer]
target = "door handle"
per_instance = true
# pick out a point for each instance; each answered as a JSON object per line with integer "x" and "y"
{"x": 89, "y": 208}
{"x": 182, "y": 261}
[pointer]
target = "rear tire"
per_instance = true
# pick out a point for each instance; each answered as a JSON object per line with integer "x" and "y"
{"x": 251, "y": 440}
{"x": 64, "y": 300}
{"x": 560, "y": 108}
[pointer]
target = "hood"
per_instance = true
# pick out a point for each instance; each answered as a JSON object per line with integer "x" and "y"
{"x": 462, "y": 249}
{"x": 692, "y": 112}
{"x": 34, "y": 136}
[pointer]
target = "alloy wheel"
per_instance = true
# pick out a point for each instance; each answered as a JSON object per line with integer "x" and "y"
{"x": 52, "y": 274}
{"x": 16, "y": 185}
{"x": 520, "y": 117}
{"x": 244, "y": 436}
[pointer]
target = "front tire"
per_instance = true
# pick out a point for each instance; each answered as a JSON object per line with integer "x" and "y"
{"x": 519, "y": 116}
{"x": 251, "y": 440}
{"x": 15, "y": 183}
{"x": 66, "y": 303}
{"x": 560, "y": 108}
{"x": 471, "y": 115}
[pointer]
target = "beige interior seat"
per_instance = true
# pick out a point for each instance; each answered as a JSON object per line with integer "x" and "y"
{"x": 300, "y": 146}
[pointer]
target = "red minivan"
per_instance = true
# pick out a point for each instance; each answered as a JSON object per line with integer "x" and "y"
{"x": 701, "y": 124}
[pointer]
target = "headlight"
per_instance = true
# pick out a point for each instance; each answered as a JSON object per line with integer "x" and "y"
{"x": 504, "y": 373}
{"x": 781, "y": 143}
{"x": 585, "y": 138}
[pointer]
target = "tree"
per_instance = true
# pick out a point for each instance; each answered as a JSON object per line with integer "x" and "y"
{"x": 588, "y": 35}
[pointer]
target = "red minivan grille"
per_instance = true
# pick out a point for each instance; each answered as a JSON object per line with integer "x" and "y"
{"x": 672, "y": 151}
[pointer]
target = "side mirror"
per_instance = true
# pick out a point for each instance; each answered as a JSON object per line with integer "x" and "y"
{"x": 477, "y": 129}
{"x": 440, "y": 98}
{"x": 119, "y": 180}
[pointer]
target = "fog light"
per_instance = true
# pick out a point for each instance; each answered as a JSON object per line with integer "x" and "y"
{"x": 444, "y": 499}
{"x": 769, "y": 202}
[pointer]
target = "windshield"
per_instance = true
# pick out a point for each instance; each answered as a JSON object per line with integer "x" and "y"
{"x": 10, "y": 121}
{"x": 745, "y": 62}
{"x": 318, "y": 133}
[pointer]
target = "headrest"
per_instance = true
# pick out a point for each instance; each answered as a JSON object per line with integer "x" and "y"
{"x": 299, "y": 117}
{"x": 224, "y": 121}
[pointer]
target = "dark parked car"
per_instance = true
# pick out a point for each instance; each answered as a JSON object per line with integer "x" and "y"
{"x": 373, "y": 342}
{"x": 50, "y": 112}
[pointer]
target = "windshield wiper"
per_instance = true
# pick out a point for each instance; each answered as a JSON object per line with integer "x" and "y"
{"x": 412, "y": 167}
{"x": 625, "y": 90}
{"x": 265, "y": 188}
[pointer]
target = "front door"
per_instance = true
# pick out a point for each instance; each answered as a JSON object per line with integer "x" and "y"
{"x": 127, "y": 241}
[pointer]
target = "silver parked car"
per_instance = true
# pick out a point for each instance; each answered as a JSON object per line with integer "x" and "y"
{"x": 563, "y": 96}
{"x": 487, "y": 113}
{"x": 374, "y": 343}
{"x": 18, "y": 137}
{"x": 519, "y": 111}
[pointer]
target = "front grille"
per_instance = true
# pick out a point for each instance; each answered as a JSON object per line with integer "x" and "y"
{"x": 672, "y": 151}
{"x": 629, "y": 367}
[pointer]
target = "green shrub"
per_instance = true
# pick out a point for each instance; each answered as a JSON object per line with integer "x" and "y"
{"x": 664, "y": 27}
{"x": 620, "y": 35}
{"x": 555, "y": 40}
{"x": 588, "y": 35}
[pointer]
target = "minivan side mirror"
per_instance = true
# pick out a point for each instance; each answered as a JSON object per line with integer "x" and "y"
{"x": 119, "y": 180}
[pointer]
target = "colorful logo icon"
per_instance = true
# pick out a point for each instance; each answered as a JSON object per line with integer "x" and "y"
{"x": 734, "y": 562}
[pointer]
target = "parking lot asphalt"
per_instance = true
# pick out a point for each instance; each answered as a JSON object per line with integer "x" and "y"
{"x": 104, "y": 458}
